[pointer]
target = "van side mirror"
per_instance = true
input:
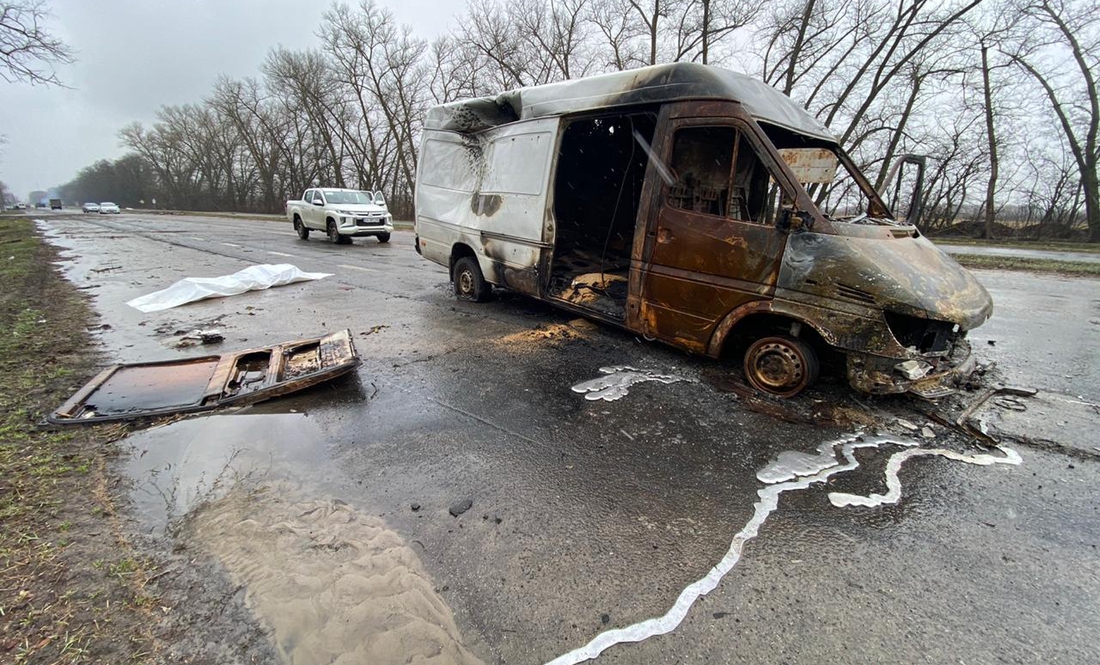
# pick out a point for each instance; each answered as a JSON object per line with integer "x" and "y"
{"x": 906, "y": 184}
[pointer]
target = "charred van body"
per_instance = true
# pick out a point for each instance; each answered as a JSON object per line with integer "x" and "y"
{"x": 698, "y": 207}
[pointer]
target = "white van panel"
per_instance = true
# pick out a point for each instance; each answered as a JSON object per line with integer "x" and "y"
{"x": 488, "y": 191}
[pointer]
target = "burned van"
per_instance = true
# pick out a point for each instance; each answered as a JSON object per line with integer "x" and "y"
{"x": 702, "y": 208}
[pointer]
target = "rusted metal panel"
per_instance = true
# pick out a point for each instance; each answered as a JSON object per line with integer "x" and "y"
{"x": 811, "y": 165}
{"x": 141, "y": 390}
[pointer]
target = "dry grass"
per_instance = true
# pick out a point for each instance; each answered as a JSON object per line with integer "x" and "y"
{"x": 71, "y": 587}
{"x": 1068, "y": 268}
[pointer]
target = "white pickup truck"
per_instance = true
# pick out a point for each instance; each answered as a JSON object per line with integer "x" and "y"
{"x": 342, "y": 214}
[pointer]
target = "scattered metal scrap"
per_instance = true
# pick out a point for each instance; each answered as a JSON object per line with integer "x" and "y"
{"x": 197, "y": 337}
{"x": 141, "y": 390}
{"x": 963, "y": 421}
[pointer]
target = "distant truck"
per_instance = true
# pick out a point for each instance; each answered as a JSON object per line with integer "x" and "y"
{"x": 342, "y": 214}
{"x": 702, "y": 208}
{"x": 55, "y": 204}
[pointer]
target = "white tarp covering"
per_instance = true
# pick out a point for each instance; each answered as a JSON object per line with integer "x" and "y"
{"x": 253, "y": 278}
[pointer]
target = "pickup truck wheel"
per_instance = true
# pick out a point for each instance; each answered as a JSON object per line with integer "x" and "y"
{"x": 334, "y": 235}
{"x": 781, "y": 366}
{"x": 469, "y": 283}
{"x": 383, "y": 237}
{"x": 303, "y": 232}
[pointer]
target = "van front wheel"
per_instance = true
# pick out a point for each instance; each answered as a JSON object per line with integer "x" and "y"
{"x": 780, "y": 365}
{"x": 469, "y": 283}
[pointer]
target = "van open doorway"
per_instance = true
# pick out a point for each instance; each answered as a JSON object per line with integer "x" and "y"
{"x": 600, "y": 171}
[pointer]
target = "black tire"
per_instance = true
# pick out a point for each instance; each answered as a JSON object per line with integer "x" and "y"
{"x": 780, "y": 365}
{"x": 303, "y": 232}
{"x": 383, "y": 237}
{"x": 334, "y": 235}
{"x": 469, "y": 283}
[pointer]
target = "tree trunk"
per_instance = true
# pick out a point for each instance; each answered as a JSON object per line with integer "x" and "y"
{"x": 706, "y": 29}
{"x": 990, "y": 132}
{"x": 1091, "y": 184}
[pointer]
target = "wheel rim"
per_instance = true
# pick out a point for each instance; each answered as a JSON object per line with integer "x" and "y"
{"x": 466, "y": 282}
{"x": 332, "y": 231}
{"x": 777, "y": 368}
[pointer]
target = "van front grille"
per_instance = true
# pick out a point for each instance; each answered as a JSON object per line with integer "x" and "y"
{"x": 852, "y": 293}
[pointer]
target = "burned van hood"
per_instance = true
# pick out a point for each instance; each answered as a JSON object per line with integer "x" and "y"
{"x": 872, "y": 267}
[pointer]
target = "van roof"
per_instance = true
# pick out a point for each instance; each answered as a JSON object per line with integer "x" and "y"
{"x": 648, "y": 85}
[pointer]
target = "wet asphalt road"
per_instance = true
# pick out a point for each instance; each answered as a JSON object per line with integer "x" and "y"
{"x": 594, "y": 515}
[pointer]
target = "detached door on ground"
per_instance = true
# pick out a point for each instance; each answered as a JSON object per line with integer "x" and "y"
{"x": 713, "y": 245}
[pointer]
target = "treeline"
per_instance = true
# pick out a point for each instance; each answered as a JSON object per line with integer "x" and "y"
{"x": 1000, "y": 94}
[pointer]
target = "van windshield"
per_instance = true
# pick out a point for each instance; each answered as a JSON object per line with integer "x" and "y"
{"x": 349, "y": 197}
{"x": 831, "y": 179}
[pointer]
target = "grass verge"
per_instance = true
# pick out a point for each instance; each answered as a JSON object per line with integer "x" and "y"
{"x": 1044, "y": 245}
{"x": 71, "y": 587}
{"x": 1069, "y": 268}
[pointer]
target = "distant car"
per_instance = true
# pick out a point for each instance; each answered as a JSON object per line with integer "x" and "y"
{"x": 40, "y": 204}
{"x": 90, "y": 207}
{"x": 108, "y": 208}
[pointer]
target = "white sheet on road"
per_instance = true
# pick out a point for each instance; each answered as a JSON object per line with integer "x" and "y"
{"x": 253, "y": 278}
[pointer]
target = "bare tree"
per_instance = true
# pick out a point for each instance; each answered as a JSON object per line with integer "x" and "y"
{"x": 926, "y": 76}
{"x": 620, "y": 34}
{"x": 1064, "y": 58}
{"x": 28, "y": 52}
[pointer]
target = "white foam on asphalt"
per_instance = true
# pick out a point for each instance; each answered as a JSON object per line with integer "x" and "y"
{"x": 790, "y": 471}
{"x": 618, "y": 381}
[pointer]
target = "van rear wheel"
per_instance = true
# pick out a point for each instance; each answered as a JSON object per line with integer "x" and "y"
{"x": 469, "y": 283}
{"x": 781, "y": 365}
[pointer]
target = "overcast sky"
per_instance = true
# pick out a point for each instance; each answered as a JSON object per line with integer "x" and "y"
{"x": 134, "y": 56}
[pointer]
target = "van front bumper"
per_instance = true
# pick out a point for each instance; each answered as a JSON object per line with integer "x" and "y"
{"x": 929, "y": 377}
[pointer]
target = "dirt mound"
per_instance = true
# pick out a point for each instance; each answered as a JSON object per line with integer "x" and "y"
{"x": 335, "y": 586}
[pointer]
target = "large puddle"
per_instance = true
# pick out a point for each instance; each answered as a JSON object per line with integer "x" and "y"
{"x": 179, "y": 466}
{"x": 257, "y": 492}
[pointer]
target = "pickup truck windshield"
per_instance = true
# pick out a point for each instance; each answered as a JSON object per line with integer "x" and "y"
{"x": 349, "y": 197}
